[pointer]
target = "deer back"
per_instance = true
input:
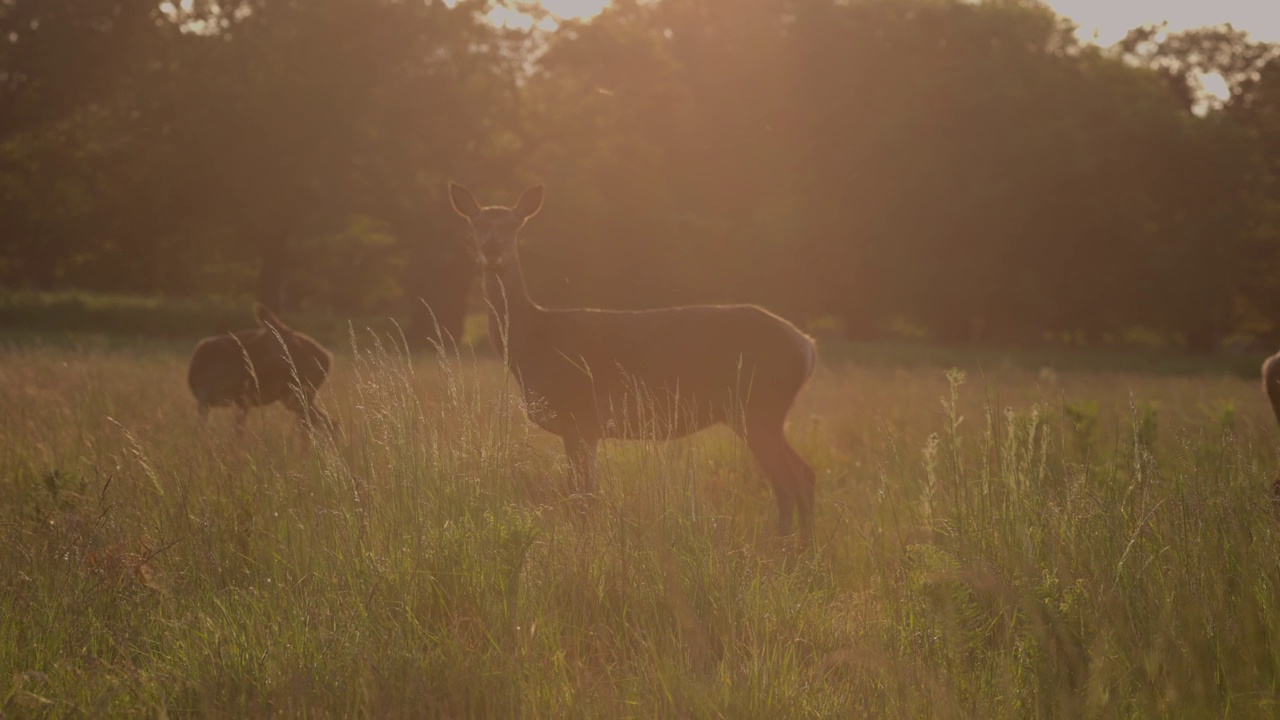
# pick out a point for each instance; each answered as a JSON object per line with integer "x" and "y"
{"x": 589, "y": 363}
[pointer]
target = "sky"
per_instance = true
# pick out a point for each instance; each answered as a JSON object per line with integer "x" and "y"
{"x": 1104, "y": 21}
{"x": 560, "y": 8}
{"x": 1110, "y": 19}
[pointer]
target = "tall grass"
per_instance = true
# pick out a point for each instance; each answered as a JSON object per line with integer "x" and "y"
{"x": 1020, "y": 545}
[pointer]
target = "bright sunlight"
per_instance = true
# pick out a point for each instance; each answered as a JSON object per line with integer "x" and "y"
{"x": 1102, "y": 21}
{"x": 575, "y": 8}
{"x": 1107, "y": 21}
{"x": 512, "y": 17}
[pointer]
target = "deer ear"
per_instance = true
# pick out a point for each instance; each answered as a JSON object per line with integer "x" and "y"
{"x": 530, "y": 203}
{"x": 464, "y": 203}
{"x": 268, "y": 319}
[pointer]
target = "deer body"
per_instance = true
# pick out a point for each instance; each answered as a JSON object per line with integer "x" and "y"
{"x": 251, "y": 368}
{"x": 586, "y": 371}
{"x": 1271, "y": 382}
{"x": 587, "y": 375}
{"x": 1271, "y": 387}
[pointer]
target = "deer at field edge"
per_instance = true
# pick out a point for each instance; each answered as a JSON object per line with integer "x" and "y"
{"x": 259, "y": 366}
{"x": 588, "y": 375}
{"x": 1271, "y": 388}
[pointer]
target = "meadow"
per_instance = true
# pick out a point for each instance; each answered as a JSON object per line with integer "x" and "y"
{"x": 1006, "y": 539}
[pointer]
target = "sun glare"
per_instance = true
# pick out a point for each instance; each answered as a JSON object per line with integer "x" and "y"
{"x": 510, "y": 17}
{"x": 1107, "y": 21}
{"x": 1100, "y": 21}
{"x": 575, "y": 8}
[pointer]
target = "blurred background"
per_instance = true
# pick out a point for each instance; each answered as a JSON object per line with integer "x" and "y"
{"x": 948, "y": 171}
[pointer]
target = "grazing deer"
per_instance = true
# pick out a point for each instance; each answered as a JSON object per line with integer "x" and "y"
{"x": 259, "y": 366}
{"x": 593, "y": 374}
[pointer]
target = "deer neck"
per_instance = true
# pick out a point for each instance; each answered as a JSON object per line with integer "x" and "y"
{"x": 511, "y": 311}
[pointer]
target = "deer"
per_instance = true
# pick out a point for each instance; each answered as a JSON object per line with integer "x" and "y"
{"x": 1271, "y": 388}
{"x": 259, "y": 366}
{"x": 589, "y": 374}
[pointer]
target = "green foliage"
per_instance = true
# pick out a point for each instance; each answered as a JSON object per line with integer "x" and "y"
{"x": 966, "y": 170}
{"x": 79, "y": 314}
{"x": 353, "y": 270}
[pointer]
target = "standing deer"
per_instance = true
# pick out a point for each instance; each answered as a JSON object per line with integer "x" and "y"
{"x": 259, "y": 366}
{"x": 592, "y": 374}
{"x": 1271, "y": 386}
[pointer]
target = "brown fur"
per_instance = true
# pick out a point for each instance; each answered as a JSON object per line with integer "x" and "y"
{"x": 583, "y": 372}
{"x": 1271, "y": 382}
{"x": 1271, "y": 387}
{"x": 251, "y": 368}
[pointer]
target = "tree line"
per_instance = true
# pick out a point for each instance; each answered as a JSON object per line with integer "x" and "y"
{"x": 966, "y": 172}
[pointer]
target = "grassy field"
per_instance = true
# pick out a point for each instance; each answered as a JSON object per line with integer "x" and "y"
{"x": 1017, "y": 542}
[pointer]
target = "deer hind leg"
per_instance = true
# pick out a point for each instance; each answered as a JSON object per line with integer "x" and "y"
{"x": 805, "y": 482}
{"x": 778, "y": 470}
{"x": 792, "y": 479}
{"x": 202, "y": 413}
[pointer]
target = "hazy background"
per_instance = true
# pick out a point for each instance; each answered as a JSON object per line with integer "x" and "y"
{"x": 950, "y": 171}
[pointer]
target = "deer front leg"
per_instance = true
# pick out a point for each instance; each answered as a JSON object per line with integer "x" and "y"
{"x": 791, "y": 477}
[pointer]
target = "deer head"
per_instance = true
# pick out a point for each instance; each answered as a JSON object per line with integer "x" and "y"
{"x": 495, "y": 228}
